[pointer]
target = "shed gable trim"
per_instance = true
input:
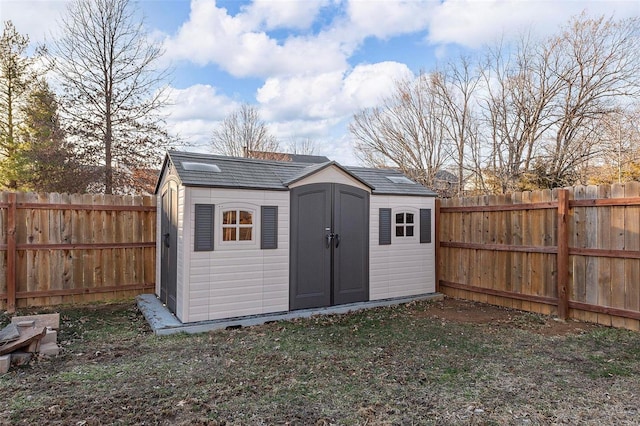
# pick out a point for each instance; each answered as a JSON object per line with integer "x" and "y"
{"x": 312, "y": 170}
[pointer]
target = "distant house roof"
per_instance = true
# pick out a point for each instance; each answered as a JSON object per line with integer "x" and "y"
{"x": 446, "y": 176}
{"x": 248, "y": 173}
{"x": 284, "y": 156}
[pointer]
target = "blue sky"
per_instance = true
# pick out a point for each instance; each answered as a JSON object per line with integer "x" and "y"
{"x": 309, "y": 65}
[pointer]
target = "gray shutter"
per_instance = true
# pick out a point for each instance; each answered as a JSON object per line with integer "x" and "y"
{"x": 384, "y": 227}
{"x": 269, "y": 220}
{"x": 425, "y": 225}
{"x": 204, "y": 227}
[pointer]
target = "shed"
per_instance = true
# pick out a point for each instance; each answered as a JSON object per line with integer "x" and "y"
{"x": 239, "y": 237}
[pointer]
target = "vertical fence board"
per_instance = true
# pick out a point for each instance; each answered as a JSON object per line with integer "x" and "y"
{"x": 526, "y": 257}
{"x": 537, "y": 239}
{"x": 617, "y": 233}
{"x": 464, "y": 266}
{"x": 43, "y": 257}
{"x": 562, "y": 258}
{"x": 549, "y": 225}
{"x": 31, "y": 236}
{"x": 12, "y": 272}
{"x": 516, "y": 258}
{"x": 485, "y": 256}
{"x": 56, "y": 268}
{"x": 632, "y": 266}
{"x": 604, "y": 264}
{"x": 3, "y": 252}
{"x": 592, "y": 240}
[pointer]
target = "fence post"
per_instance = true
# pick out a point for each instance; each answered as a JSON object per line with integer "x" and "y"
{"x": 11, "y": 254}
{"x": 563, "y": 254}
{"x": 436, "y": 240}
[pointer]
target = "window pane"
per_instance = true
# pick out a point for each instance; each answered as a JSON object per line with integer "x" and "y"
{"x": 245, "y": 234}
{"x": 229, "y": 217}
{"x": 409, "y": 231}
{"x": 399, "y": 217}
{"x": 399, "y": 231}
{"x": 409, "y": 217}
{"x": 228, "y": 234}
{"x": 245, "y": 218}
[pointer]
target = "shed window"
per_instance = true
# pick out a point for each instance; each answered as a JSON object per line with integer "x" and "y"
{"x": 404, "y": 224}
{"x": 237, "y": 225}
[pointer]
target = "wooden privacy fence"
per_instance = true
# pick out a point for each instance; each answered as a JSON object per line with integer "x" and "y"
{"x": 59, "y": 248}
{"x": 573, "y": 252}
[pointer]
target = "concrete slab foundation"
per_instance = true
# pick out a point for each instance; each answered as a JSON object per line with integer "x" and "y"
{"x": 163, "y": 322}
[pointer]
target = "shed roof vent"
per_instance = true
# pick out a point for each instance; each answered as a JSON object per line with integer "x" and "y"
{"x": 400, "y": 179}
{"x": 200, "y": 167}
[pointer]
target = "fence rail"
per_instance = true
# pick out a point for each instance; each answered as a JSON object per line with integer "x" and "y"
{"x": 571, "y": 252}
{"x": 59, "y": 248}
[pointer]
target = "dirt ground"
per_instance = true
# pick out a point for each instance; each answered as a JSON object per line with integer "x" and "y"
{"x": 464, "y": 311}
{"x": 446, "y": 362}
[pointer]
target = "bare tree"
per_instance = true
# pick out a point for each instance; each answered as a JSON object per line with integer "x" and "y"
{"x": 618, "y": 159}
{"x": 112, "y": 90}
{"x": 455, "y": 90}
{"x": 517, "y": 107}
{"x": 405, "y": 132}
{"x": 598, "y": 62}
{"x": 301, "y": 146}
{"x": 532, "y": 118}
{"x": 243, "y": 132}
{"x": 547, "y": 98}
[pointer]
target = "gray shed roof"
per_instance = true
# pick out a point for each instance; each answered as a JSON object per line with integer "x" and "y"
{"x": 275, "y": 175}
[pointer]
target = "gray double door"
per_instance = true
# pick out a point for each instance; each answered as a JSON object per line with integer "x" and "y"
{"x": 329, "y": 259}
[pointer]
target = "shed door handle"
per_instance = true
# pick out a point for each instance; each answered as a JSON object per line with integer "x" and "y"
{"x": 329, "y": 238}
{"x": 167, "y": 239}
{"x": 337, "y": 237}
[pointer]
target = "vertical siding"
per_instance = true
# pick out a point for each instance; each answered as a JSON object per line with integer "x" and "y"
{"x": 403, "y": 268}
{"x": 182, "y": 280}
{"x": 234, "y": 280}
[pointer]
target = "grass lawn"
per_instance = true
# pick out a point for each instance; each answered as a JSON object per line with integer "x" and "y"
{"x": 448, "y": 362}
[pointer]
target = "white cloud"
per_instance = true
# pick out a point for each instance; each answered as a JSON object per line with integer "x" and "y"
{"x": 366, "y": 85}
{"x": 193, "y": 113}
{"x": 234, "y": 43}
{"x": 200, "y": 101}
{"x": 37, "y": 19}
{"x": 329, "y": 95}
{"x": 383, "y": 19}
{"x": 473, "y": 23}
{"x": 283, "y": 13}
{"x": 311, "y": 97}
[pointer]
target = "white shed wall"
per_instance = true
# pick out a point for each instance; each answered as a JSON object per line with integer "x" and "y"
{"x": 234, "y": 279}
{"x": 182, "y": 254}
{"x": 405, "y": 267}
